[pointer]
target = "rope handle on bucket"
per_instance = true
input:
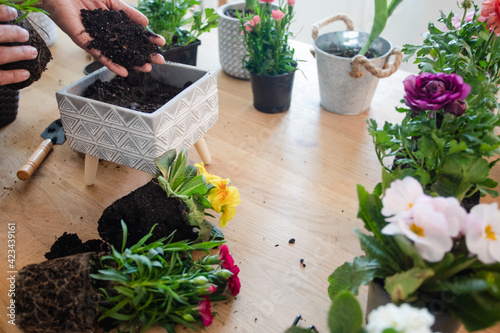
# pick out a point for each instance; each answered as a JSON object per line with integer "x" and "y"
{"x": 361, "y": 61}
{"x": 339, "y": 17}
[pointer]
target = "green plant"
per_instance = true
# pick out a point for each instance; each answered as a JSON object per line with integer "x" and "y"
{"x": 160, "y": 283}
{"x": 198, "y": 191}
{"x": 425, "y": 250}
{"x": 26, "y": 7}
{"x": 169, "y": 18}
{"x": 382, "y": 14}
{"x": 266, "y": 38}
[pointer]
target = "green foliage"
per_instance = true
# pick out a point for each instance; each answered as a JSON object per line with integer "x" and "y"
{"x": 157, "y": 283}
{"x": 382, "y": 13}
{"x": 26, "y": 7}
{"x": 345, "y": 315}
{"x": 267, "y": 42}
{"x": 473, "y": 286}
{"x": 169, "y": 18}
{"x": 449, "y": 158}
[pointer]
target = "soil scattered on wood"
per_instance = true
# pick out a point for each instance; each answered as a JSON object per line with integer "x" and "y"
{"x": 69, "y": 244}
{"x": 35, "y": 66}
{"x": 138, "y": 91}
{"x": 119, "y": 39}
{"x": 141, "y": 210}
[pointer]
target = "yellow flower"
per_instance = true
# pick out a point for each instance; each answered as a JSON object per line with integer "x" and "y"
{"x": 224, "y": 199}
{"x": 203, "y": 171}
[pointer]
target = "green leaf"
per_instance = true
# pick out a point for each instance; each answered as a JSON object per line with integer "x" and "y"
{"x": 195, "y": 185}
{"x": 476, "y": 311}
{"x": 164, "y": 161}
{"x": 402, "y": 286}
{"x": 378, "y": 250}
{"x": 410, "y": 250}
{"x": 205, "y": 231}
{"x": 177, "y": 171}
{"x": 297, "y": 330}
{"x": 345, "y": 315}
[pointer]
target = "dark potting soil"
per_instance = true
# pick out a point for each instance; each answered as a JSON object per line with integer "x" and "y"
{"x": 138, "y": 91}
{"x": 35, "y": 66}
{"x": 69, "y": 244}
{"x": 119, "y": 39}
{"x": 141, "y": 210}
{"x": 349, "y": 52}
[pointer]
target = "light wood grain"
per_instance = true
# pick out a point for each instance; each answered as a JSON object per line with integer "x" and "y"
{"x": 296, "y": 172}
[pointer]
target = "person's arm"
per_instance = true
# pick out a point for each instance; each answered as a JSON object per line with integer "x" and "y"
{"x": 66, "y": 14}
{"x": 10, "y": 33}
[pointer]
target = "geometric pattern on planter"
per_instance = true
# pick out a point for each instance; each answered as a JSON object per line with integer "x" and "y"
{"x": 231, "y": 44}
{"x": 133, "y": 138}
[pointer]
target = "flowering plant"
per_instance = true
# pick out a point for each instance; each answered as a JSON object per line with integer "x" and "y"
{"x": 441, "y": 141}
{"x": 429, "y": 252}
{"x": 160, "y": 283}
{"x": 169, "y": 19}
{"x": 199, "y": 191}
{"x": 266, "y": 35}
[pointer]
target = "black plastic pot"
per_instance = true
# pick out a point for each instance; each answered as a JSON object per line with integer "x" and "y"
{"x": 9, "y": 103}
{"x": 272, "y": 93}
{"x": 184, "y": 54}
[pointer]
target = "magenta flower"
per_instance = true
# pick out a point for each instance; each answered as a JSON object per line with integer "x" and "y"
{"x": 277, "y": 14}
{"x": 429, "y": 91}
{"x": 291, "y": 2}
{"x": 205, "y": 313}
{"x": 266, "y": 1}
{"x": 225, "y": 257}
{"x": 234, "y": 283}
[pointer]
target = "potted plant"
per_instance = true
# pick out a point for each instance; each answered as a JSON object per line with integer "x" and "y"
{"x": 350, "y": 63}
{"x": 149, "y": 283}
{"x": 429, "y": 252}
{"x": 177, "y": 200}
{"x": 270, "y": 59}
{"x": 9, "y": 94}
{"x": 231, "y": 44}
{"x": 169, "y": 19}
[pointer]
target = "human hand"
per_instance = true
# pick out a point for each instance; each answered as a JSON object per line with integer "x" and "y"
{"x": 66, "y": 14}
{"x": 10, "y": 33}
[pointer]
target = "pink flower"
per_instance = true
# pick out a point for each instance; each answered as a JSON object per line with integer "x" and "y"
{"x": 248, "y": 27}
{"x": 277, "y": 14}
{"x": 266, "y": 1}
{"x": 205, "y": 312}
{"x": 225, "y": 257}
{"x": 457, "y": 20}
{"x": 291, "y": 2}
{"x": 228, "y": 263}
{"x": 491, "y": 14}
{"x": 256, "y": 19}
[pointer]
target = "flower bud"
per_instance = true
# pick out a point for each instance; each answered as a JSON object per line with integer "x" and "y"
{"x": 200, "y": 280}
{"x": 212, "y": 260}
{"x": 456, "y": 108}
{"x": 188, "y": 317}
{"x": 224, "y": 273}
{"x": 466, "y": 4}
{"x": 207, "y": 290}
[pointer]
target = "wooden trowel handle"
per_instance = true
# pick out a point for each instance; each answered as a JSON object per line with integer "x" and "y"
{"x": 35, "y": 160}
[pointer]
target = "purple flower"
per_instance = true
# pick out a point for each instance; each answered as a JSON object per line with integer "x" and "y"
{"x": 456, "y": 108}
{"x": 429, "y": 91}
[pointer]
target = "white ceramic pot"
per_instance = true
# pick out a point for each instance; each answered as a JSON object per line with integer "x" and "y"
{"x": 231, "y": 44}
{"x": 133, "y": 138}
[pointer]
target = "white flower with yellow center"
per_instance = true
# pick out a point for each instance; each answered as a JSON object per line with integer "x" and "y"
{"x": 400, "y": 198}
{"x": 482, "y": 232}
{"x": 402, "y": 319}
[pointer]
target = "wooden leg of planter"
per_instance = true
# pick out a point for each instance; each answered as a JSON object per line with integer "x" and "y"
{"x": 202, "y": 149}
{"x": 90, "y": 171}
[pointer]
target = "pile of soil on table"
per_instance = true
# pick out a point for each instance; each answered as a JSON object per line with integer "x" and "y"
{"x": 35, "y": 66}
{"x": 138, "y": 91}
{"x": 70, "y": 244}
{"x": 141, "y": 210}
{"x": 119, "y": 39}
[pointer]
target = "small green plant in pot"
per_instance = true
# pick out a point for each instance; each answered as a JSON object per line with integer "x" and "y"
{"x": 178, "y": 23}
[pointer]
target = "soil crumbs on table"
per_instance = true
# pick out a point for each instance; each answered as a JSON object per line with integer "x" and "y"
{"x": 138, "y": 91}
{"x": 124, "y": 42}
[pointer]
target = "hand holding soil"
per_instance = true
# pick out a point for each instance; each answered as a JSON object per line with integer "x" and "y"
{"x": 67, "y": 15}
{"x": 10, "y": 33}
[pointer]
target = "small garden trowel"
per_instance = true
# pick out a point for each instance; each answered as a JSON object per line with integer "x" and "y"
{"x": 54, "y": 134}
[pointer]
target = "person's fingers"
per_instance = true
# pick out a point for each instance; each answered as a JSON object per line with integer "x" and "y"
{"x": 7, "y": 13}
{"x": 157, "y": 59}
{"x": 134, "y": 15}
{"x": 157, "y": 40}
{"x": 13, "y": 33}
{"x": 13, "y": 76}
{"x": 144, "y": 68}
{"x": 10, "y": 54}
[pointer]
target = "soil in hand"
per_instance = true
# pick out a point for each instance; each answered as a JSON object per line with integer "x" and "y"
{"x": 141, "y": 210}
{"x": 124, "y": 42}
{"x": 70, "y": 244}
{"x": 35, "y": 66}
{"x": 138, "y": 91}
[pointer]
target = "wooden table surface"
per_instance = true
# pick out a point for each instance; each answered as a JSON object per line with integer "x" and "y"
{"x": 296, "y": 171}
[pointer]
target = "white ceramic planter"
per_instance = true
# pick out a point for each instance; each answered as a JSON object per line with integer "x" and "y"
{"x": 231, "y": 43}
{"x": 133, "y": 138}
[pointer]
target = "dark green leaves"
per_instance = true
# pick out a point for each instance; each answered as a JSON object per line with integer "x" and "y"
{"x": 345, "y": 315}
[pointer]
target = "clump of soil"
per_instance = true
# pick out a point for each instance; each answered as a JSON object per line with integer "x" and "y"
{"x": 124, "y": 42}
{"x": 46, "y": 300}
{"x": 349, "y": 52}
{"x": 70, "y": 244}
{"x": 141, "y": 210}
{"x": 138, "y": 91}
{"x": 35, "y": 66}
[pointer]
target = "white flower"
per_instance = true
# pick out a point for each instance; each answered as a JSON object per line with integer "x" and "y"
{"x": 455, "y": 215}
{"x": 482, "y": 232}
{"x": 400, "y": 197}
{"x": 427, "y": 228}
{"x": 404, "y": 319}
